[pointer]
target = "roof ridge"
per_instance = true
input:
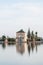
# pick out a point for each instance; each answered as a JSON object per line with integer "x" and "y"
{"x": 21, "y": 31}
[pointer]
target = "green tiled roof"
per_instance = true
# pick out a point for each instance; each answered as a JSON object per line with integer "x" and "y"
{"x": 21, "y": 31}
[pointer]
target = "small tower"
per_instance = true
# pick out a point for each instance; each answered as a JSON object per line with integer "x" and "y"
{"x": 20, "y": 36}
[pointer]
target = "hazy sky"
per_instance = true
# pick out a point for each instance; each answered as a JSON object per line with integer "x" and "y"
{"x": 18, "y": 14}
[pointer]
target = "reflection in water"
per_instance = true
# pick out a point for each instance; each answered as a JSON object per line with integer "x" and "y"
{"x": 31, "y": 46}
{"x": 36, "y": 48}
{"x": 29, "y": 49}
{"x": 20, "y": 47}
{"x": 3, "y": 45}
{"x": 9, "y": 55}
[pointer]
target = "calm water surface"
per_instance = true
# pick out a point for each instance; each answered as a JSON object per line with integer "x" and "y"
{"x": 12, "y": 55}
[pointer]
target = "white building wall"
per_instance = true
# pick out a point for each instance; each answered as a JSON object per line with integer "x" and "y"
{"x": 18, "y": 35}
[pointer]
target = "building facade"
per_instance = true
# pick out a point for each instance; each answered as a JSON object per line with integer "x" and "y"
{"x": 20, "y": 36}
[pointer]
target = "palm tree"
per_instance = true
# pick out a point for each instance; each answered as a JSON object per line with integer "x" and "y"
{"x": 36, "y": 35}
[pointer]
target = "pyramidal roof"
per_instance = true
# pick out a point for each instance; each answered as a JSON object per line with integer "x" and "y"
{"x": 21, "y": 31}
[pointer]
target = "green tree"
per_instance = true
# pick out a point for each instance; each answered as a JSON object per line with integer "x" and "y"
{"x": 3, "y": 37}
{"x": 36, "y": 35}
{"x": 28, "y": 34}
{"x": 32, "y": 35}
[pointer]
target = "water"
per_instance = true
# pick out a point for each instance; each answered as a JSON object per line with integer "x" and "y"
{"x": 15, "y": 55}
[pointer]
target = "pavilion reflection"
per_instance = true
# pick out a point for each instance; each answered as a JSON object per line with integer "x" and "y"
{"x": 20, "y": 47}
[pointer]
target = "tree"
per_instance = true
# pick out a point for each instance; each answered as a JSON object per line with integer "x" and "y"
{"x": 36, "y": 35}
{"x": 32, "y": 35}
{"x": 3, "y": 37}
{"x": 28, "y": 34}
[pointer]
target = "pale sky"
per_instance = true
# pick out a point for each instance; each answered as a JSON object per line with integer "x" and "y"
{"x": 21, "y": 14}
